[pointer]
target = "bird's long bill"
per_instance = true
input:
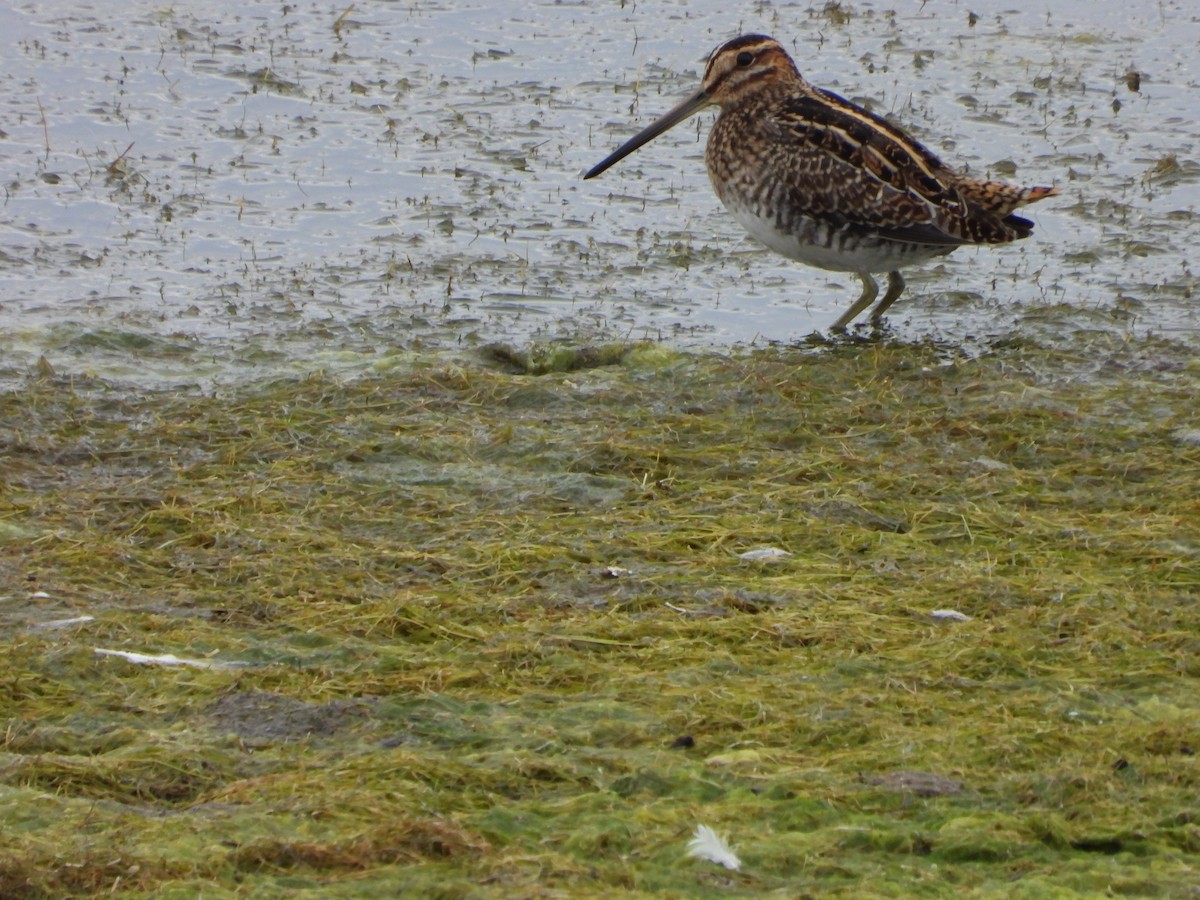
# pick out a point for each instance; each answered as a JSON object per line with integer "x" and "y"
{"x": 688, "y": 107}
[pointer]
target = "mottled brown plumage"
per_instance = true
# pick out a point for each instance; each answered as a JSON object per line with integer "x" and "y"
{"x": 821, "y": 180}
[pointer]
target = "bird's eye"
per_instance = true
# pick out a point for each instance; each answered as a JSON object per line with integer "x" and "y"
{"x": 745, "y": 58}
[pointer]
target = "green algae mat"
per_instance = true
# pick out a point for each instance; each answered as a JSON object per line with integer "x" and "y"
{"x": 893, "y": 620}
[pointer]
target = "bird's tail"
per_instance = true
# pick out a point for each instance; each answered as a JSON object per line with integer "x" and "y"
{"x": 1002, "y": 198}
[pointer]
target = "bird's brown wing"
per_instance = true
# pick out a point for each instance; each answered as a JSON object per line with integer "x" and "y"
{"x": 852, "y": 167}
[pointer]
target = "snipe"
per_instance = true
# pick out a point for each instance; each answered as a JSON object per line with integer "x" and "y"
{"x": 825, "y": 182}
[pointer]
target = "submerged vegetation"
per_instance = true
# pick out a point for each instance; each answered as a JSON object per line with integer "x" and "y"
{"x": 484, "y": 627}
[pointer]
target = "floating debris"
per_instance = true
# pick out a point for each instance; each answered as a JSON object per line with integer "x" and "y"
{"x": 168, "y": 659}
{"x": 952, "y": 614}
{"x": 765, "y": 554}
{"x": 66, "y": 623}
{"x": 708, "y": 845}
{"x": 987, "y": 464}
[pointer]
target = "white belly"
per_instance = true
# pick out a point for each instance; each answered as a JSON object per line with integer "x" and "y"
{"x": 817, "y": 244}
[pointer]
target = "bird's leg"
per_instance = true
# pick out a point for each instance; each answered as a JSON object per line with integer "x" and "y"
{"x": 870, "y": 292}
{"x": 895, "y": 289}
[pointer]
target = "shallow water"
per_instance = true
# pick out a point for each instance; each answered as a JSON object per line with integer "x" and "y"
{"x": 196, "y": 195}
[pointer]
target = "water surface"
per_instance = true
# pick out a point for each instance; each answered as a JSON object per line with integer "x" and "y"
{"x": 196, "y": 194}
